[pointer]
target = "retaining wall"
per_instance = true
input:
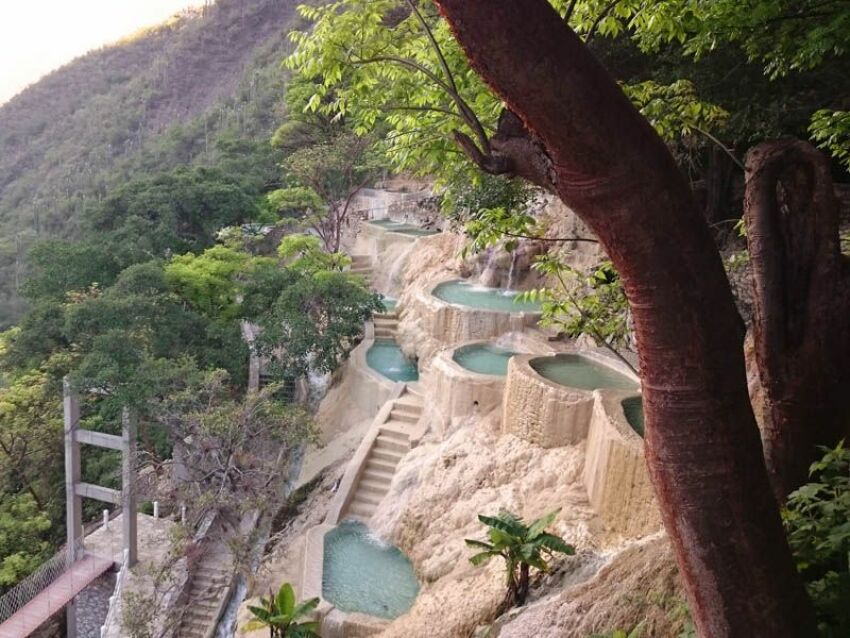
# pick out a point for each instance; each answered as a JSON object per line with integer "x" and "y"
{"x": 615, "y": 472}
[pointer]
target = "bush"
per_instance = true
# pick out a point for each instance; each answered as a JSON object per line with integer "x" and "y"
{"x": 817, "y": 521}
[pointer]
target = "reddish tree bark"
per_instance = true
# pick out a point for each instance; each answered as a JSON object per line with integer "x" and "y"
{"x": 802, "y": 306}
{"x": 702, "y": 444}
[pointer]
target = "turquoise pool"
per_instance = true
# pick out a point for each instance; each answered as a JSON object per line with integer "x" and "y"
{"x": 384, "y": 223}
{"x": 484, "y": 358}
{"x": 633, "y": 409}
{"x": 402, "y": 227}
{"x": 416, "y": 231}
{"x": 387, "y": 358}
{"x": 576, "y": 371}
{"x": 362, "y": 574}
{"x": 464, "y": 293}
{"x": 389, "y": 304}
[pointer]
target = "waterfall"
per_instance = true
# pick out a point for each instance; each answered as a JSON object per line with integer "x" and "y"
{"x": 510, "y": 285}
{"x": 396, "y": 270}
{"x": 317, "y": 387}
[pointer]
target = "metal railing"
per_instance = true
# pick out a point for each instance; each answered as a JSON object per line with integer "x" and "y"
{"x": 31, "y": 586}
{"x": 114, "y": 611}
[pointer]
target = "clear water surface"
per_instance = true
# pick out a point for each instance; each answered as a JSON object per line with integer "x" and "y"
{"x": 389, "y": 303}
{"x": 633, "y": 409}
{"x": 386, "y": 357}
{"x": 363, "y": 574}
{"x": 575, "y": 371}
{"x": 484, "y": 358}
{"x": 464, "y": 293}
{"x": 402, "y": 227}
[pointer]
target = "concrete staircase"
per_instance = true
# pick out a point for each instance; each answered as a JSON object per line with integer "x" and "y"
{"x": 389, "y": 446}
{"x": 207, "y": 595}
{"x": 386, "y": 325}
{"x": 362, "y": 265}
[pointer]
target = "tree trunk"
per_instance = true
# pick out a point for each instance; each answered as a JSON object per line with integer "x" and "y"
{"x": 702, "y": 444}
{"x": 801, "y": 327}
{"x": 522, "y": 590}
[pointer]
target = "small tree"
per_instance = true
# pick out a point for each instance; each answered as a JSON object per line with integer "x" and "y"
{"x": 522, "y": 547}
{"x": 280, "y": 614}
{"x": 329, "y": 174}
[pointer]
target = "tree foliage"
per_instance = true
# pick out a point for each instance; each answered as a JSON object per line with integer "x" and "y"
{"x": 817, "y": 519}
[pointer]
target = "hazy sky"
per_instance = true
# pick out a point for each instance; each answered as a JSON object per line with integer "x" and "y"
{"x": 37, "y": 36}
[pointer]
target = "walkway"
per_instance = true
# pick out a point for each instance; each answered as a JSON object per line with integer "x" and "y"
{"x": 54, "y": 598}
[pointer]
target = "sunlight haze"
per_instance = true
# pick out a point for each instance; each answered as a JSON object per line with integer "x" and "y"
{"x": 40, "y": 36}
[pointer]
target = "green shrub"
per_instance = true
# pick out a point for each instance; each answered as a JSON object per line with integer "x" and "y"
{"x": 817, "y": 521}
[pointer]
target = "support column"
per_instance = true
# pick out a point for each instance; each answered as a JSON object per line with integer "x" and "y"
{"x": 73, "y": 502}
{"x": 128, "y": 488}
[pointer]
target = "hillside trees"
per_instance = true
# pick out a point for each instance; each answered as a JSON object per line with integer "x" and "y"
{"x": 333, "y": 170}
{"x": 703, "y": 448}
{"x": 310, "y": 312}
{"x": 327, "y": 164}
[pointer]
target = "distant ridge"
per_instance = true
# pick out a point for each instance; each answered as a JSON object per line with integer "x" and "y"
{"x": 145, "y": 104}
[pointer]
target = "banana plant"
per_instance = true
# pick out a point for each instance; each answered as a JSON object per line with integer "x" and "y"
{"x": 521, "y": 546}
{"x": 280, "y": 614}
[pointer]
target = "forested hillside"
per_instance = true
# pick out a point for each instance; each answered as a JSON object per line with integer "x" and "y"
{"x": 183, "y": 92}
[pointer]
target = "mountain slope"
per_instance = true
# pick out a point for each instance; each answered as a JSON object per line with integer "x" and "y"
{"x": 159, "y": 99}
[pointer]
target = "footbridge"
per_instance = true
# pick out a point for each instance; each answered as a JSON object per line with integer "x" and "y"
{"x": 49, "y": 590}
{"x": 58, "y": 581}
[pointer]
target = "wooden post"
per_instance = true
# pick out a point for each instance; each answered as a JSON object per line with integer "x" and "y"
{"x": 128, "y": 488}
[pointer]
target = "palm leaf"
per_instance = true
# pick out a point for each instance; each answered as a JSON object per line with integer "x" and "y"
{"x": 260, "y": 613}
{"x": 506, "y": 522}
{"x": 538, "y": 526}
{"x": 502, "y": 539}
{"x": 305, "y": 608}
{"x": 254, "y": 625}
{"x": 479, "y": 544}
{"x": 286, "y": 599}
{"x": 481, "y": 558}
{"x": 555, "y": 544}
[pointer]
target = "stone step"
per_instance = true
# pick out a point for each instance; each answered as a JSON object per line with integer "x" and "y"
{"x": 403, "y": 437}
{"x": 380, "y": 465}
{"x": 404, "y": 417}
{"x": 383, "y": 333}
{"x": 386, "y": 321}
{"x": 389, "y": 458}
{"x": 372, "y": 475}
{"x": 370, "y": 498}
{"x": 380, "y": 327}
{"x": 361, "y": 510}
{"x": 408, "y": 404}
{"x": 383, "y": 442}
{"x": 375, "y": 486}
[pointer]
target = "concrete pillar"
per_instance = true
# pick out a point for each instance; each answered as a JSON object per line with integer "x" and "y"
{"x": 128, "y": 488}
{"x": 73, "y": 503}
{"x": 253, "y": 373}
{"x": 73, "y": 475}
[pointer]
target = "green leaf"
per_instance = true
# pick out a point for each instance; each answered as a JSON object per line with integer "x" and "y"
{"x": 286, "y": 599}
{"x": 541, "y": 524}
